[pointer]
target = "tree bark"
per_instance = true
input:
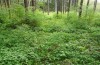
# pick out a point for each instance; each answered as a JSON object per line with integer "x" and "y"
{"x": 95, "y": 4}
{"x": 5, "y": 3}
{"x": 33, "y": 4}
{"x": 18, "y": 1}
{"x": 80, "y": 8}
{"x": 69, "y": 2}
{"x": 63, "y": 6}
{"x": 87, "y": 6}
{"x": 8, "y": 5}
{"x": 1, "y": 3}
{"x": 26, "y": 5}
{"x": 48, "y": 2}
{"x": 55, "y": 5}
{"x": 43, "y": 6}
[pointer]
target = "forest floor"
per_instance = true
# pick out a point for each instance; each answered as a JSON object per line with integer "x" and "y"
{"x": 56, "y": 40}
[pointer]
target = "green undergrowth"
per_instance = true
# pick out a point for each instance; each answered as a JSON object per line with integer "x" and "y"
{"x": 41, "y": 39}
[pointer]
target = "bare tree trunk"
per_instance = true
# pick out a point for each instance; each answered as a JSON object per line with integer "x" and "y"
{"x": 48, "y": 1}
{"x": 33, "y": 4}
{"x": 63, "y": 6}
{"x": 95, "y": 4}
{"x": 77, "y": 5}
{"x": 1, "y": 3}
{"x": 5, "y": 3}
{"x": 8, "y": 5}
{"x": 80, "y": 8}
{"x": 18, "y": 1}
{"x": 69, "y": 2}
{"x": 87, "y": 6}
{"x": 10, "y": 2}
{"x": 26, "y": 5}
{"x": 43, "y": 6}
{"x": 58, "y": 6}
{"x": 55, "y": 5}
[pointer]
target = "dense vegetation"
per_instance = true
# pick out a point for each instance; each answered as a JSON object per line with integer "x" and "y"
{"x": 35, "y": 38}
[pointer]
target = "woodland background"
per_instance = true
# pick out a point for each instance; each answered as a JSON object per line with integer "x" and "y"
{"x": 49, "y": 32}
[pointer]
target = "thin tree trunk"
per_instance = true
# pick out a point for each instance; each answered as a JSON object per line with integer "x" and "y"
{"x": 95, "y": 4}
{"x": 43, "y": 6}
{"x": 58, "y": 6}
{"x": 69, "y": 2}
{"x": 77, "y": 5}
{"x": 8, "y": 5}
{"x": 1, "y": 3}
{"x": 48, "y": 1}
{"x": 5, "y": 3}
{"x": 18, "y": 1}
{"x": 87, "y": 6}
{"x": 55, "y": 5}
{"x": 33, "y": 4}
{"x": 26, "y": 5}
{"x": 63, "y": 6}
{"x": 80, "y": 8}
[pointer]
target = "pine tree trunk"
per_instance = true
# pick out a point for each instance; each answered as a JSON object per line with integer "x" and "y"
{"x": 77, "y": 5}
{"x": 55, "y": 5}
{"x": 8, "y": 5}
{"x": 69, "y": 2}
{"x": 26, "y": 5}
{"x": 43, "y": 6}
{"x": 80, "y": 8}
{"x": 87, "y": 6}
{"x": 33, "y": 4}
{"x": 5, "y": 3}
{"x": 63, "y": 6}
{"x": 18, "y": 1}
{"x": 48, "y": 2}
{"x": 0, "y": 3}
{"x": 95, "y": 4}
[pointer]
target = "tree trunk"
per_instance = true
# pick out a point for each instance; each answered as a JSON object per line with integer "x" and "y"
{"x": 87, "y": 6}
{"x": 8, "y": 5}
{"x": 77, "y": 5}
{"x": 5, "y": 3}
{"x": 63, "y": 6}
{"x": 80, "y": 8}
{"x": 18, "y": 1}
{"x": 69, "y": 1}
{"x": 43, "y": 6}
{"x": 55, "y": 5}
{"x": 26, "y": 5}
{"x": 0, "y": 3}
{"x": 33, "y": 4}
{"x": 95, "y": 4}
{"x": 48, "y": 2}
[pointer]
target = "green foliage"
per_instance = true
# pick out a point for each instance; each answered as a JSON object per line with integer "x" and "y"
{"x": 33, "y": 38}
